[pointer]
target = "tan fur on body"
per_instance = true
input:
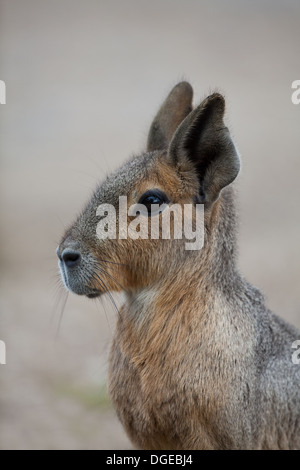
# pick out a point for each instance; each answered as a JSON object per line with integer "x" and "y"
{"x": 197, "y": 360}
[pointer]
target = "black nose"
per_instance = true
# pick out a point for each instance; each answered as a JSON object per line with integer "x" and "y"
{"x": 71, "y": 258}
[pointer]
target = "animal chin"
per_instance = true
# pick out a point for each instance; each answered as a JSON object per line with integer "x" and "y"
{"x": 89, "y": 292}
{"x": 74, "y": 284}
{"x": 94, "y": 295}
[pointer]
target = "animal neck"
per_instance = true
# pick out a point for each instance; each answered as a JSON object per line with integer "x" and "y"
{"x": 220, "y": 251}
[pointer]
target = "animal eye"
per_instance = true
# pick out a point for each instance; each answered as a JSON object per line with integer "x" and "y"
{"x": 153, "y": 196}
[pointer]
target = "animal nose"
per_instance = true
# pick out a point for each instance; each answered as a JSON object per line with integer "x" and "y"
{"x": 71, "y": 258}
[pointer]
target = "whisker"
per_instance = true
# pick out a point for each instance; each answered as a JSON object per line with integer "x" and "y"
{"x": 57, "y": 297}
{"x": 103, "y": 285}
{"x": 61, "y": 314}
{"x": 113, "y": 262}
{"x": 111, "y": 277}
{"x": 114, "y": 268}
{"x": 104, "y": 305}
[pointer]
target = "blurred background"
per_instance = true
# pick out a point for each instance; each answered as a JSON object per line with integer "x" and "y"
{"x": 84, "y": 79}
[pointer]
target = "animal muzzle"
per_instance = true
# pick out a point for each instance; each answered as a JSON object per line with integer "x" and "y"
{"x": 76, "y": 270}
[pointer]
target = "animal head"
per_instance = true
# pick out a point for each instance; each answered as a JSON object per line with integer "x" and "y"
{"x": 190, "y": 158}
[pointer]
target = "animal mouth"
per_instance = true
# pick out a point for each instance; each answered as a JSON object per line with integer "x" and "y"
{"x": 94, "y": 294}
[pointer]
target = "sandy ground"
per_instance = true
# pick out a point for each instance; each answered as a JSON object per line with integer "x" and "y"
{"x": 83, "y": 81}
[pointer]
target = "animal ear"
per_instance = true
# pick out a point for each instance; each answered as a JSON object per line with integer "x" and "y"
{"x": 174, "y": 109}
{"x": 203, "y": 139}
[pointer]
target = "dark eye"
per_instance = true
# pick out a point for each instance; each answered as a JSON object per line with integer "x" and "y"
{"x": 153, "y": 196}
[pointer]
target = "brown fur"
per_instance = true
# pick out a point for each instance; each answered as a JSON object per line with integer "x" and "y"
{"x": 197, "y": 360}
